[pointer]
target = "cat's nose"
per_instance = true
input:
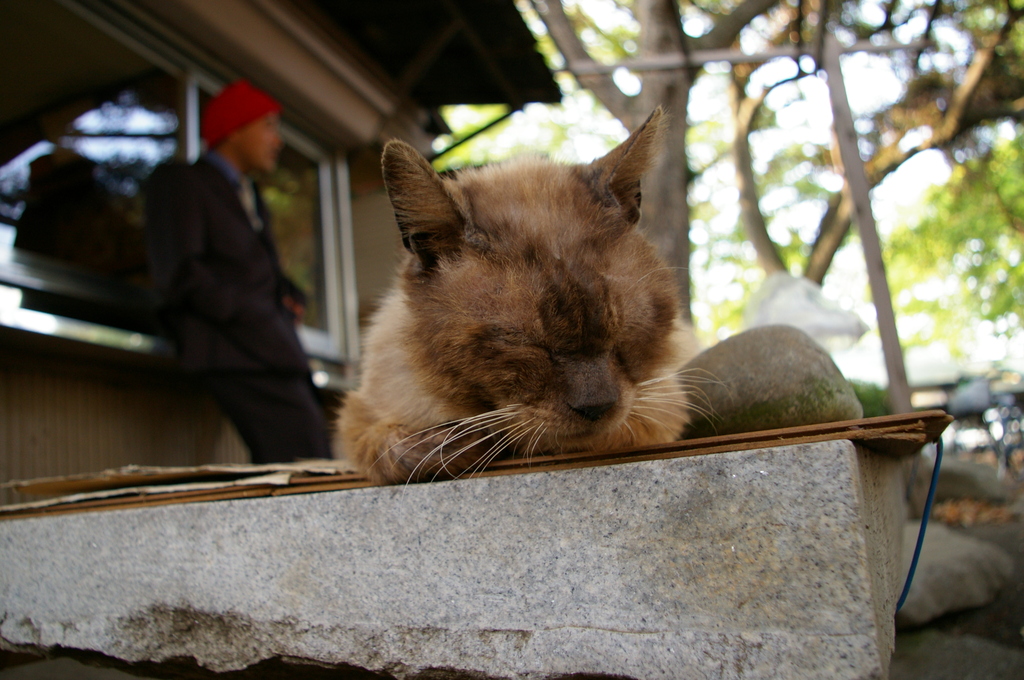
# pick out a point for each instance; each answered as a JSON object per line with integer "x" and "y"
{"x": 592, "y": 412}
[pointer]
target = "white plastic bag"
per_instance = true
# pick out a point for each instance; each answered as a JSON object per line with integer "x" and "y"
{"x": 797, "y": 301}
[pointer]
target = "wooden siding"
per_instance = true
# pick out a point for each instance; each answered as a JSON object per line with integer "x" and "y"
{"x": 56, "y": 420}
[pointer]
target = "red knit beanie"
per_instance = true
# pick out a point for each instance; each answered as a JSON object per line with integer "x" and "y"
{"x": 235, "y": 106}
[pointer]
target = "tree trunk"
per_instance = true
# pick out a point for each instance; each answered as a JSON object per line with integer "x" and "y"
{"x": 743, "y": 111}
{"x": 835, "y": 224}
{"x": 666, "y": 209}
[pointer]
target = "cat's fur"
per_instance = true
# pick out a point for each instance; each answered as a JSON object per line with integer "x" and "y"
{"x": 529, "y": 316}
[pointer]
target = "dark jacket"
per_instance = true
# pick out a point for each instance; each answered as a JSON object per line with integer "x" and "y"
{"x": 219, "y": 280}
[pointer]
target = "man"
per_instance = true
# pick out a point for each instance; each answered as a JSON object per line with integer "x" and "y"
{"x": 223, "y": 296}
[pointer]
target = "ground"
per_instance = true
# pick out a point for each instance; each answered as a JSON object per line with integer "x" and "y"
{"x": 979, "y": 644}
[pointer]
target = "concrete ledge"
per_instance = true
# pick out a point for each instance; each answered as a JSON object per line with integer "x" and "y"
{"x": 771, "y": 563}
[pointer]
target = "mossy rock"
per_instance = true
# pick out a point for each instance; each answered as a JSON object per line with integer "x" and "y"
{"x": 767, "y": 378}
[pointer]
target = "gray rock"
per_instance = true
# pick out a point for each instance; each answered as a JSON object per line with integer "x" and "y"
{"x": 767, "y": 378}
{"x": 770, "y": 563}
{"x": 957, "y": 479}
{"x": 931, "y": 655}
{"x": 955, "y": 572}
{"x": 1017, "y": 507}
{"x": 967, "y": 479}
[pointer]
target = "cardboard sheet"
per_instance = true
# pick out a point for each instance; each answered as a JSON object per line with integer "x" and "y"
{"x": 138, "y": 486}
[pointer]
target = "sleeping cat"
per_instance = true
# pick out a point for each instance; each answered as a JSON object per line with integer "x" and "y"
{"x": 529, "y": 316}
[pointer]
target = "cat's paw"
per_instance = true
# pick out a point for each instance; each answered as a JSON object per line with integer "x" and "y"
{"x": 439, "y": 452}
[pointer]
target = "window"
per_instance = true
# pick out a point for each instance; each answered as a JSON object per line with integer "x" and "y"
{"x": 292, "y": 194}
{"x": 81, "y": 129}
{"x": 74, "y": 195}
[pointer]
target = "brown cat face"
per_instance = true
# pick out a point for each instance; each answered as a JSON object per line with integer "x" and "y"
{"x": 532, "y": 293}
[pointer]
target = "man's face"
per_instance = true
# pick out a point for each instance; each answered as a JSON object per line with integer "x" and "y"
{"x": 255, "y": 146}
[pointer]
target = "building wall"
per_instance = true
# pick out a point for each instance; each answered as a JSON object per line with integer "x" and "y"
{"x": 378, "y": 242}
{"x": 62, "y": 417}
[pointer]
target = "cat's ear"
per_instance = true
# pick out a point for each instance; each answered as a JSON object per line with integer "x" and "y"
{"x": 426, "y": 214}
{"x": 618, "y": 173}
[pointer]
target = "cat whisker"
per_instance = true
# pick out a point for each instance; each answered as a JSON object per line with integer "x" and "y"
{"x": 401, "y": 441}
{"x": 652, "y": 272}
{"x": 496, "y": 446}
{"x": 662, "y": 389}
{"x": 685, "y": 370}
{"x": 662, "y": 394}
{"x": 647, "y": 407}
{"x": 703, "y": 412}
{"x": 632, "y": 432}
{"x": 430, "y": 454}
{"x": 676, "y": 397}
{"x": 458, "y": 429}
{"x": 558, "y": 445}
{"x": 687, "y": 376}
{"x": 516, "y": 433}
{"x": 685, "y": 394}
{"x": 485, "y": 460}
{"x": 486, "y": 419}
{"x": 668, "y": 383}
{"x": 512, "y": 435}
{"x": 452, "y": 456}
{"x": 668, "y": 397}
{"x": 690, "y": 384}
{"x": 690, "y": 381}
{"x": 454, "y": 425}
{"x": 692, "y": 374}
{"x": 687, "y": 404}
{"x": 676, "y": 403}
{"x": 648, "y": 418}
{"x": 531, "y": 447}
{"x": 655, "y": 381}
{"x": 508, "y": 434}
{"x": 706, "y": 409}
{"x": 479, "y": 424}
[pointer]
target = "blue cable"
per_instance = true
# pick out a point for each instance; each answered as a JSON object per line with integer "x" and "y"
{"x": 924, "y": 524}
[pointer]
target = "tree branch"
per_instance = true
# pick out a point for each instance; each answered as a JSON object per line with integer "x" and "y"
{"x": 568, "y": 43}
{"x": 728, "y": 26}
{"x": 962, "y": 95}
{"x": 743, "y": 111}
{"x": 835, "y": 224}
{"x": 957, "y": 117}
{"x": 662, "y": 27}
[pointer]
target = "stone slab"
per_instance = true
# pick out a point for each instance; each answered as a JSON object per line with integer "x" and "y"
{"x": 771, "y": 563}
{"x": 955, "y": 572}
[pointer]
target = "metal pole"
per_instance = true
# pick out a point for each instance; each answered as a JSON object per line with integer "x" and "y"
{"x": 677, "y": 60}
{"x": 856, "y": 179}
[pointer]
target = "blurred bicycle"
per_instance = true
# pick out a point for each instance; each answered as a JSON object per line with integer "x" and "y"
{"x": 987, "y": 422}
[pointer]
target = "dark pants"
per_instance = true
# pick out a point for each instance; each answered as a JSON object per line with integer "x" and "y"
{"x": 278, "y": 414}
